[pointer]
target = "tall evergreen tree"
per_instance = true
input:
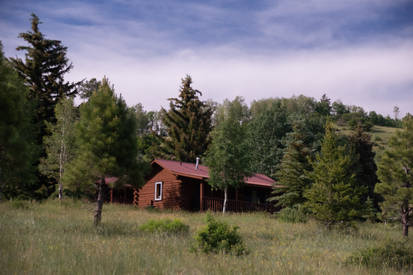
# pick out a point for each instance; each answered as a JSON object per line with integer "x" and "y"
{"x": 396, "y": 176}
{"x": 107, "y": 145}
{"x": 18, "y": 151}
{"x": 228, "y": 157}
{"x": 188, "y": 123}
{"x": 365, "y": 166}
{"x": 334, "y": 195}
{"x": 88, "y": 87}
{"x": 60, "y": 145}
{"x": 293, "y": 172}
{"x": 43, "y": 71}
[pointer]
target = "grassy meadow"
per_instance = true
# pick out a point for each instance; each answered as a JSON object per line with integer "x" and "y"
{"x": 59, "y": 238}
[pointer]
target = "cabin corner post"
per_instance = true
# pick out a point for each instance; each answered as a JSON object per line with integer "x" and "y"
{"x": 201, "y": 196}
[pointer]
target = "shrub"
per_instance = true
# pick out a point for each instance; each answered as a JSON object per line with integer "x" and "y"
{"x": 295, "y": 214}
{"x": 165, "y": 226}
{"x": 392, "y": 254}
{"x": 218, "y": 236}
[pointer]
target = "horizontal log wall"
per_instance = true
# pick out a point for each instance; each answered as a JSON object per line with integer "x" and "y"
{"x": 171, "y": 191}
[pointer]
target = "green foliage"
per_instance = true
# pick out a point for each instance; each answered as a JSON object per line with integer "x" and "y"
{"x": 107, "y": 145}
{"x": 392, "y": 254}
{"x": 294, "y": 214}
{"x": 106, "y": 141}
{"x": 396, "y": 176}
{"x": 365, "y": 166}
{"x": 88, "y": 87}
{"x": 293, "y": 174}
{"x": 43, "y": 71}
{"x": 228, "y": 156}
{"x": 269, "y": 131}
{"x": 18, "y": 152}
{"x": 167, "y": 226}
{"x": 218, "y": 237}
{"x": 266, "y": 137}
{"x": 188, "y": 123}
{"x": 60, "y": 144}
{"x": 334, "y": 196}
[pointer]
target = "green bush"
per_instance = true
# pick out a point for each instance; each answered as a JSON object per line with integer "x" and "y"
{"x": 295, "y": 214}
{"x": 220, "y": 237}
{"x": 165, "y": 226}
{"x": 392, "y": 254}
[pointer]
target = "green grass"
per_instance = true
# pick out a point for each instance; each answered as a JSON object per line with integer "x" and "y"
{"x": 380, "y": 135}
{"x": 54, "y": 238}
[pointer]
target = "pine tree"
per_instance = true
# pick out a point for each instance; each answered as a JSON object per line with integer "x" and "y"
{"x": 228, "y": 156}
{"x": 60, "y": 145}
{"x": 43, "y": 72}
{"x": 334, "y": 196}
{"x": 107, "y": 145}
{"x": 365, "y": 166}
{"x": 396, "y": 176}
{"x": 293, "y": 172}
{"x": 18, "y": 152}
{"x": 188, "y": 123}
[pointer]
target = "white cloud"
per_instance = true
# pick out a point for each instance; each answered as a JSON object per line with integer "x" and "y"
{"x": 372, "y": 76}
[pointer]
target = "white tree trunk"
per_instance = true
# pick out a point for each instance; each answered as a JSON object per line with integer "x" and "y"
{"x": 225, "y": 200}
{"x": 61, "y": 165}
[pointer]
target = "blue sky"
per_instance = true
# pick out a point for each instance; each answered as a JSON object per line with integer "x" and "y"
{"x": 357, "y": 51}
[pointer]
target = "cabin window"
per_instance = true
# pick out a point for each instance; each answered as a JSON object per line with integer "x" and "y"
{"x": 158, "y": 191}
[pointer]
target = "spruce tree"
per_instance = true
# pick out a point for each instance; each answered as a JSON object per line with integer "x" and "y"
{"x": 334, "y": 196}
{"x": 396, "y": 176}
{"x": 18, "y": 150}
{"x": 228, "y": 156}
{"x": 60, "y": 145}
{"x": 188, "y": 123}
{"x": 107, "y": 146}
{"x": 293, "y": 172}
{"x": 43, "y": 72}
{"x": 365, "y": 167}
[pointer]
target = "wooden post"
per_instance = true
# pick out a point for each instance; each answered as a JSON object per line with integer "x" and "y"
{"x": 135, "y": 197}
{"x": 201, "y": 196}
{"x": 111, "y": 195}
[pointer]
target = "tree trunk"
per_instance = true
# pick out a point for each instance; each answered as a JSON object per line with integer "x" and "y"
{"x": 405, "y": 223}
{"x": 99, "y": 204}
{"x": 225, "y": 199}
{"x": 61, "y": 167}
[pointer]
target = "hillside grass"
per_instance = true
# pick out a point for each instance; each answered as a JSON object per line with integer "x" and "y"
{"x": 380, "y": 135}
{"x": 59, "y": 238}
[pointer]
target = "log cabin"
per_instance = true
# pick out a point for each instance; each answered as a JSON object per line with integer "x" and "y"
{"x": 184, "y": 186}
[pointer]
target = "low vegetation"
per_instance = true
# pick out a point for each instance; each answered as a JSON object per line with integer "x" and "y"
{"x": 218, "y": 236}
{"x": 59, "y": 238}
{"x": 167, "y": 226}
{"x": 392, "y": 254}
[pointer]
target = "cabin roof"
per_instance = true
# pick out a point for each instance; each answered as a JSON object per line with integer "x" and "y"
{"x": 188, "y": 169}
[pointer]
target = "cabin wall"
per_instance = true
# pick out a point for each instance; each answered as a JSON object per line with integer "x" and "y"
{"x": 171, "y": 191}
{"x": 190, "y": 193}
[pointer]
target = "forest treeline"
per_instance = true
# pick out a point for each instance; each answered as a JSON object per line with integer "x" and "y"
{"x": 51, "y": 148}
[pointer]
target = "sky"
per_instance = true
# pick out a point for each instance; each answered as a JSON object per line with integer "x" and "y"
{"x": 356, "y": 51}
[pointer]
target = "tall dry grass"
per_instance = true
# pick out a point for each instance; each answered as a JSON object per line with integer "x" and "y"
{"x": 59, "y": 238}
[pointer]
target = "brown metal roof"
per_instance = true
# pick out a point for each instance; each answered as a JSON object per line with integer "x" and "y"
{"x": 188, "y": 170}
